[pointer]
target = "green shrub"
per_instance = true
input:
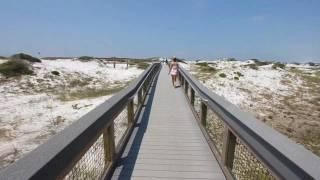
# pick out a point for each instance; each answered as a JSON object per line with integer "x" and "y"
{"x": 85, "y": 58}
{"x": 261, "y": 63}
{"x": 208, "y": 69}
{"x": 311, "y": 64}
{"x": 55, "y": 73}
{"x": 142, "y": 65}
{"x": 239, "y": 74}
{"x": 15, "y": 68}
{"x": 79, "y": 82}
{"x": 252, "y": 66}
{"x": 236, "y": 78}
{"x": 202, "y": 64}
{"x": 22, "y": 56}
{"x": 231, "y": 59}
{"x": 204, "y": 67}
{"x": 223, "y": 75}
{"x": 278, "y": 65}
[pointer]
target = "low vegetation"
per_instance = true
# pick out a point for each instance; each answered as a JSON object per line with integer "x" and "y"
{"x": 311, "y": 64}
{"x": 22, "y": 56}
{"x": 55, "y": 73}
{"x": 142, "y": 65}
{"x": 223, "y": 75}
{"x": 202, "y": 64}
{"x": 85, "y": 58}
{"x": 239, "y": 74}
{"x": 204, "y": 67}
{"x": 252, "y": 66}
{"x": 15, "y": 68}
{"x": 89, "y": 92}
{"x": 278, "y": 65}
{"x": 261, "y": 63}
{"x": 231, "y": 59}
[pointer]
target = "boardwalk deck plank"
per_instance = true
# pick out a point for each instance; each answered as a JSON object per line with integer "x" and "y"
{"x": 168, "y": 143}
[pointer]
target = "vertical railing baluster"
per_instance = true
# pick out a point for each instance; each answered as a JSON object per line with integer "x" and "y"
{"x": 130, "y": 110}
{"x": 191, "y": 96}
{"x": 140, "y": 97}
{"x": 181, "y": 81}
{"x": 109, "y": 144}
{"x": 144, "y": 87}
{"x": 186, "y": 87}
{"x": 228, "y": 149}
{"x": 203, "y": 113}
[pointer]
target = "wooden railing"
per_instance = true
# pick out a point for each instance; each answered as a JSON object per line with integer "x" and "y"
{"x": 245, "y": 147}
{"x": 90, "y": 147}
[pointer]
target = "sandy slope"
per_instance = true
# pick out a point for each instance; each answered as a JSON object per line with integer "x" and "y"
{"x": 33, "y": 107}
{"x": 286, "y": 99}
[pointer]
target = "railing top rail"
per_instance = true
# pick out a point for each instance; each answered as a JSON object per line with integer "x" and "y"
{"x": 54, "y": 155}
{"x": 284, "y": 157}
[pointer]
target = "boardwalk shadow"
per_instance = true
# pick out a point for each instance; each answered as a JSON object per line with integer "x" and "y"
{"x": 127, "y": 161}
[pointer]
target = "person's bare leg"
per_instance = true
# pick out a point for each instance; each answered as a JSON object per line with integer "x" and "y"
{"x": 172, "y": 78}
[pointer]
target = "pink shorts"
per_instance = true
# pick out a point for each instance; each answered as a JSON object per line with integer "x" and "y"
{"x": 174, "y": 72}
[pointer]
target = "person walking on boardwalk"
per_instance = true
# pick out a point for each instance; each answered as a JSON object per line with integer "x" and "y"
{"x": 173, "y": 71}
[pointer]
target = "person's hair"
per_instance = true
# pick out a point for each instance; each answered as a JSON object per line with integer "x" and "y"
{"x": 174, "y": 59}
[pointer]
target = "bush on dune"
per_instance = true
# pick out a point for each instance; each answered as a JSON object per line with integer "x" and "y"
{"x": 85, "y": 58}
{"x": 261, "y": 63}
{"x": 142, "y": 65}
{"x": 55, "y": 73}
{"x": 15, "y": 68}
{"x": 252, "y": 66}
{"x": 204, "y": 67}
{"x": 278, "y": 65}
{"x": 311, "y": 64}
{"x": 202, "y": 64}
{"x": 231, "y": 59}
{"x": 223, "y": 75}
{"x": 22, "y": 56}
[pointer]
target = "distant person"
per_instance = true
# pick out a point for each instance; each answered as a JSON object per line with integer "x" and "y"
{"x": 173, "y": 71}
{"x": 167, "y": 61}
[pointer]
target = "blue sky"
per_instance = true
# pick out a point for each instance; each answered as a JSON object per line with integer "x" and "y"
{"x": 287, "y": 30}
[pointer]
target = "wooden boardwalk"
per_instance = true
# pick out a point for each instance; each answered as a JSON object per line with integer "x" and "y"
{"x": 167, "y": 142}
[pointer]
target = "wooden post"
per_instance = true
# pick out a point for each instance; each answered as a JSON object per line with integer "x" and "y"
{"x": 140, "y": 96}
{"x": 144, "y": 87}
{"x": 228, "y": 149}
{"x": 203, "y": 114}
{"x": 109, "y": 144}
{"x": 130, "y": 111}
{"x": 186, "y": 87}
{"x": 182, "y": 81}
{"x": 191, "y": 96}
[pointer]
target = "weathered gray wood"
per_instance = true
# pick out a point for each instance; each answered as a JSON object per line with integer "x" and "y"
{"x": 186, "y": 87}
{"x": 203, "y": 114}
{"x": 169, "y": 143}
{"x": 130, "y": 110}
{"x": 140, "y": 96}
{"x": 191, "y": 96}
{"x": 109, "y": 145}
{"x": 229, "y": 144}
